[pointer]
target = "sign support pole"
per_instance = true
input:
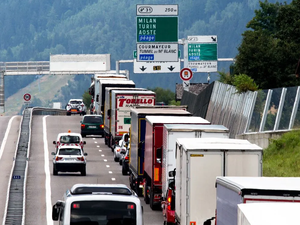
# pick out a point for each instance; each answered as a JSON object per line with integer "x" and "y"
{"x": 185, "y": 84}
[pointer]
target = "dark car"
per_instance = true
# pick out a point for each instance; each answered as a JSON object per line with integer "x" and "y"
{"x": 125, "y": 163}
{"x": 92, "y": 125}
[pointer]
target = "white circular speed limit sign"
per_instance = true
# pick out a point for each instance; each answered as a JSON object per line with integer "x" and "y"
{"x": 27, "y": 97}
{"x": 186, "y": 74}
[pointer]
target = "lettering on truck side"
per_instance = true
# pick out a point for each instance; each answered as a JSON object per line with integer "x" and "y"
{"x": 134, "y": 101}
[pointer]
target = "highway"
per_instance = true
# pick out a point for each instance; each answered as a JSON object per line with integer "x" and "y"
{"x": 43, "y": 189}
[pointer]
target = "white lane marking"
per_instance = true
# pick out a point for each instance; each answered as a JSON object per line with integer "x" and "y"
{"x": 105, "y": 160}
{"x": 96, "y": 142}
{"x": 113, "y": 178}
{"x": 6, "y": 136}
{"x": 109, "y": 171}
{"x": 107, "y": 166}
{"x": 102, "y": 155}
{"x": 98, "y": 146}
{"x": 94, "y": 138}
{"x": 100, "y": 150}
{"x": 47, "y": 172}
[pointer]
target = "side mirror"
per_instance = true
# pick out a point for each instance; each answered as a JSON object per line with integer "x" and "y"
{"x": 172, "y": 173}
{"x": 85, "y": 154}
{"x": 53, "y": 153}
{"x": 81, "y": 121}
{"x": 55, "y": 212}
{"x": 208, "y": 221}
{"x": 54, "y": 142}
{"x": 108, "y": 112}
{"x": 84, "y": 142}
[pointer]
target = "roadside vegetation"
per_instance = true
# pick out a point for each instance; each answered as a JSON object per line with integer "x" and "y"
{"x": 282, "y": 157}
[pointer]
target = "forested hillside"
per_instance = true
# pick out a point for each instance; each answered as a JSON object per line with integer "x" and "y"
{"x": 34, "y": 29}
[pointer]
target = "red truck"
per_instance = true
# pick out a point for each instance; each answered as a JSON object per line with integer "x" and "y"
{"x": 154, "y": 154}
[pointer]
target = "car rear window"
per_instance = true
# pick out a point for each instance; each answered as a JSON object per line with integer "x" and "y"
{"x": 92, "y": 119}
{"x": 75, "y": 102}
{"x": 69, "y": 151}
{"x": 103, "y": 212}
{"x": 69, "y": 139}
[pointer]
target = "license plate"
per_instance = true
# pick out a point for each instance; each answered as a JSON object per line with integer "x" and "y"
{"x": 69, "y": 159}
{"x": 92, "y": 127}
{"x": 74, "y": 110}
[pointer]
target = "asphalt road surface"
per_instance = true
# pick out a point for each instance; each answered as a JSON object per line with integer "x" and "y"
{"x": 43, "y": 189}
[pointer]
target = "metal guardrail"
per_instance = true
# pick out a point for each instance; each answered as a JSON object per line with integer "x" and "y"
{"x": 15, "y": 207}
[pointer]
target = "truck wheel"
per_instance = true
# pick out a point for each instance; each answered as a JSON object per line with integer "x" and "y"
{"x": 124, "y": 171}
{"x": 151, "y": 199}
{"x": 146, "y": 198}
{"x": 131, "y": 181}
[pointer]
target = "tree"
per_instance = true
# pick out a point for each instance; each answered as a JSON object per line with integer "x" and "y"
{"x": 269, "y": 52}
{"x": 164, "y": 95}
{"x": 87, "y": 99}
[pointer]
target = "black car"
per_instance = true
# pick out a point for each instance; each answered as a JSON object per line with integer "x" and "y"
{"x": 92, "y": 125}
{"x": 125, "y": 163}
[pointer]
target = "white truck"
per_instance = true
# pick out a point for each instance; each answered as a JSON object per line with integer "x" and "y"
{"x": 232, "y": 191}
{"x": 104, "y": 83}
{"x": 170, "y": 134}
{"x": 107, "y": 110}
{"x": 94, "y": 87}
{"x": 121, "y": 102}
{"x": 268, "y": 213}
{"x": 198, "y": 162}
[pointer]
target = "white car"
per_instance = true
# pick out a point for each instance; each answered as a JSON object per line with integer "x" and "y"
{"x": 98, "y": 204}
{"x": 119, "y": 150}
{"x": 69, "y": 158}
{"x": 75, "y": 106}
{"x": 68, "y": 138}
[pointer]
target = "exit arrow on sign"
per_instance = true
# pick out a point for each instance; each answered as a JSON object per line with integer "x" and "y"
{"x": 143, "y": 68}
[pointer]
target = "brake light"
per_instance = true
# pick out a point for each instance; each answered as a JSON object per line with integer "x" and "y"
{"x": 76, "y": 206}
{"x": 58, "y": 158}
{"x": 102, "y": 126}
{"x": 80, "y": 158}
{"x": 126, "y": 157}
{"x": 82, "y": 126}
{"x": 169, "y": 199}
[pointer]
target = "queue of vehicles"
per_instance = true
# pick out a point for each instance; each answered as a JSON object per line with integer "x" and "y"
{"x": 172, "y": 157}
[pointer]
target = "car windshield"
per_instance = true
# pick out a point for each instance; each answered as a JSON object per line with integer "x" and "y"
{"x": 103, "y": 212}
{"x": 75, "y": 102}
{"x": 69, "y": 139}
{"x": 92, "y": 119}
{"x": 69, "y": 151}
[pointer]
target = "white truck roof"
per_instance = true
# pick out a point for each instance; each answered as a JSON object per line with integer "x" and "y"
{"x": 268, "y": 213}
{"x": 115, "y": 81}
{"x": 216, "y": 143}
{"x": 260, "y": 183}
{"x": 153, "y": 111}
{"x": 177, "y": 119}
{"x": 192, "y": 127}
{"x": 135, "y": 91}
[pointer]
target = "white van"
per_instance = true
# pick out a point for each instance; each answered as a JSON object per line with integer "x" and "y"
{"x": 98, "y": 205}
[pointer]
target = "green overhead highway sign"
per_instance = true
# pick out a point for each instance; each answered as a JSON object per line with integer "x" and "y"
{"x": 202, "y": 52}
{"x": 157, "y": 29}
